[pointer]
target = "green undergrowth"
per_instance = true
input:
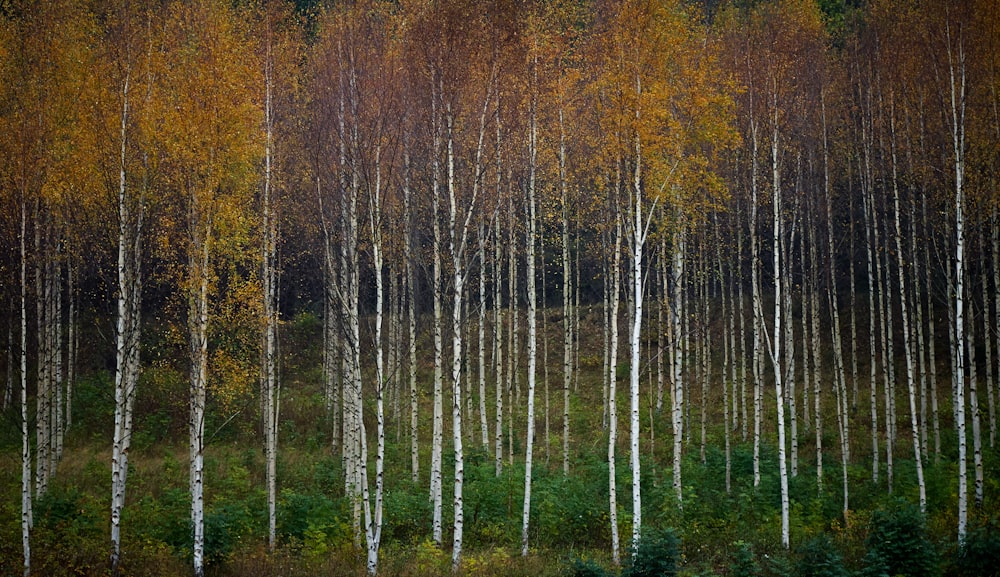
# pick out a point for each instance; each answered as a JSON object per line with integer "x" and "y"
{"x": 711, "y": 531}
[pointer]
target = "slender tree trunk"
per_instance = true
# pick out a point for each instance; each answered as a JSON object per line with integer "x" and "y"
{"x": 931, "y": 344}
{"x": 677, "y": 401}
{"x": 787, "y": 250}
{"x": 530, "y": 233}
{"x": 42, "y": 443}
{"x": 72, "y": 341}
{"x": 545, "y": 345}
{"x": 873, "y": 387}
{"x": 757, "y": 307}
{"x": 852, "y": 281}
{"x": 614, "y": 297}
{"x": 728, "y": 364}
{"x": 512, "y": 325}
{"x": 776, "y": 349}
{"x": 127, "y": 333}
{"x": 638, "y": 242}
{"x": 567, "y": 290}
{"x": 57, "y": 353}
{"x": 373, "y": 520}
{"x": 977, "y": 439}
{"x": 498, "y": 336}
{"x": 411, "y": 318}
{"x": 838, "y": 355}
{"x": 437, "y": 433}
{"x": 957, "y": 93}
{"x": 26, "y": 515}
{"x": 484, "y": 429}
{"x": 269, "y": 276}
{"x": 817, "y": 358}
{"x": 918, "y": 325}
{"x": 907, "y": 345}
{"x": 741, "y": 342}
{"x": 198, "y": 267}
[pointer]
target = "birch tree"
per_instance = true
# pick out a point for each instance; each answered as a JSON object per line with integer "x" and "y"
{"x": 125, "y": 47}
{"x": 207, "y": 112}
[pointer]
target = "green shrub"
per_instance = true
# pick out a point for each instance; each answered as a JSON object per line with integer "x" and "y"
{"x": 819, "y": 558}
{"x": 980, "y": 556}
{"x": 898, "y": 544}
{"x": 407, "y": 515}
{"x": 656, "y": 555}
{"x": 582, "y": 567}
{"x": 310, "y": 519}
{"x": 744, "y": 562}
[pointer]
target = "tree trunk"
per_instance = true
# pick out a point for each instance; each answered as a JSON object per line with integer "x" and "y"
{"x": 127, "y": 333}
{"x": 957, "y": 93}
{"x": 530, "y": 233}
{"x": 498, "y": 335}
{"x": 677, "y": 402}
{"x": 638, "y": 241}
{"x": 776, "y": 349}
{"x": 269, "y": 278}
{"x": 907, "y": 345}
{"x": 26, "y": 515}
{"x": 437, "y": 433}
{"x": 411, "y": 320}
{"x": 198, "y": 274}
{"x": 373, "y": 520}
{"x": 567, "y": 294}
{"x": 843, "y": 421}
{"x": 42, "y": 442}
{"x": 484, "y": 428}
{"x": 757, "y": 307}
{"x": 614, "y": 295}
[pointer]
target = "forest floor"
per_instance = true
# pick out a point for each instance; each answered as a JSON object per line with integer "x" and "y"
{"x": 734, "y": 532}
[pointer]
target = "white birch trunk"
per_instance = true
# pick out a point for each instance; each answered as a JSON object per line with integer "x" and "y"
{"x": 931, "y": 344}
{"x": 198, "y": 274}
{"x": 57, "y": 353}
{"x": 956, "y": 70}
{"x": 437, "y": 433}
{"x": 907, "y": 345}
{"x": 498, "y": 337}
{"x": 411, "y": 320}
{"x": 677, "y": 401}
{"x": 728, "y": 364}
{"x": 873, "y": 387}
{"x": 757, "y": 307}
{"x": 269, "y": 277}
{"x": 638, "y": 240}
{"x": 26, "y": 516}
{"x": 567, "y": 294}
{"x": 127, "y": 333}
{"x": 838, "y": 355}
{"x": 42, "y": 443}
{"x": 373, "y": 520}
{"x": 529, "y": 440}
{"x": 72, "y": 343}
{"x": 484, "y": 428}
{"x": 776, "y": 350}
{"x": 615, "y": 296}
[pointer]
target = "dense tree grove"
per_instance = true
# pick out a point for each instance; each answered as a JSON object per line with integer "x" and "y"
{"x": 332, "y": 225}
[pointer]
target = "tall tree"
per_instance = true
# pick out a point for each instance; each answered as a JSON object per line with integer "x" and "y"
{"x": 207, "y": 109}
{"x": 128, "y": 66}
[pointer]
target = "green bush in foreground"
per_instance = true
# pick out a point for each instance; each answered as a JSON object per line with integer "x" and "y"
{"x": 898, "y": 544}
{"x": 656, "y": 555}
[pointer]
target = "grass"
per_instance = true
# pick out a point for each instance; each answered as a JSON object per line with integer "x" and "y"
{"x": 569, "y": 514}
